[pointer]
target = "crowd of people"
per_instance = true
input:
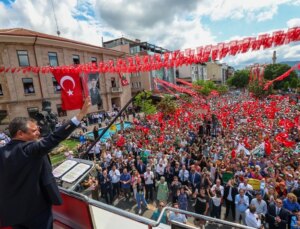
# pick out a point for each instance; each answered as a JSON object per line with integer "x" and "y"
{"x": 233, "y": 151}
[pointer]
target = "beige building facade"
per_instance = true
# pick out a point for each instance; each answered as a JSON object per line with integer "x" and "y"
{"x": 22, "y": 93}
{"x": 213, "y": 71}
{"x": 142, "y": 80}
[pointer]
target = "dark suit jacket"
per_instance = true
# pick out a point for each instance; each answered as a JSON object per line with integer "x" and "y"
{"x": 234, "y": 192}
{"x": 141, "y": 169}
{"x": 195, "y": 181}
{"x": 189, "y": 162}
{"x": 25, "y": 175}
{"x": 95, "y": 96}
{"x": 271, "y": 214}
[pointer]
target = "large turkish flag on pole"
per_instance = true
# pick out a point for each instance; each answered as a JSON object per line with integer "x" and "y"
{"x": 71, "y": 92}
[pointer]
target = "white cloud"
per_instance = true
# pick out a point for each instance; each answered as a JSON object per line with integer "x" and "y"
{"x": 172, "y": 24}
{"x": 293, "y": 22}
{"x": 236, "y": 9}
{"x": 267, "y": 14}
{"x": 284, "y": 53}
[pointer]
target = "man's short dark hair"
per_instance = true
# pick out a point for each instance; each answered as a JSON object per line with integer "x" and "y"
{"x": 19, "y": 123}
{"x": 252, "y": 208}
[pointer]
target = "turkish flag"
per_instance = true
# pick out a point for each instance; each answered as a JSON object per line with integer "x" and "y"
{"x": 124, "y": 81}
{"x": 268, "y": 147}
{"x": 71, "y": 93}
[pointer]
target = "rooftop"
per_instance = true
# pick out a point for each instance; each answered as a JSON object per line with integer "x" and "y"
{"x": 29, "y": 33}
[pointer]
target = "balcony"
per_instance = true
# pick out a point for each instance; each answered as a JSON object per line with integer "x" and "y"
{"x": 116, "y": 90}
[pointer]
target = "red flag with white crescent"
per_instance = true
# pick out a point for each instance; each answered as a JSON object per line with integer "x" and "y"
{"x": 71, "y": 93}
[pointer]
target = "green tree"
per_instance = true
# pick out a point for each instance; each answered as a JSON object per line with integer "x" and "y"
{"x": 208, "y": 86}
{"x": 222, "y": 89}
{"x": 167, "y": 105}
{"x": 240, "y": 79}
{"x": 144, "y": 101}
{"x": 185, "y": 97}
{"x": 294, "y": 83}
{"x": 272, "y": 71}
{"x": 257, "y": 89}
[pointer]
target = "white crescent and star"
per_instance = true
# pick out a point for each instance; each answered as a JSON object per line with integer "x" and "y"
{"x": 65, "y": 78}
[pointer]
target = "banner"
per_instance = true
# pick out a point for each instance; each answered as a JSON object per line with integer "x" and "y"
{"x": 255, "y": 183}
{"x": 241, "y": 147}
{"x": 226, "y": 177}
{"x": 259, "y": 151}
{"x": 91, "y": 87}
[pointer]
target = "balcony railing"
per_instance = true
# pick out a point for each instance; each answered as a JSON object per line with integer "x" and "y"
{"x": 116, "y": 89}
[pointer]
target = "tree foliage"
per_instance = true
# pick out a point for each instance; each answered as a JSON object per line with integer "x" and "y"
{"x": 294, "y": 83}
{"x": 257, "y": 89}
{"x": 144, "y": 101}
{"x": 272, "y": 71}
{"x": 222, "y": 89}
{"x": 208, "y": 86}
{"x": 240, "y": 79}
{"x": 167, "y": 105}
{"x": 185, "y": 97}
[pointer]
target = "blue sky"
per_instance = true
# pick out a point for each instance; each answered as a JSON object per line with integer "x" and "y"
{"x": 172, "y": 24}
{"x": 225, "y": 29}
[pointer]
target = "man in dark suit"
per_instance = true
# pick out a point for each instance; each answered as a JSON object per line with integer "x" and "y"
{"x": 277, "y": 216}
{"x": 189, "y": 162}
{"x": 230, "y": 191}
{"x": 194, "y": 179}
{"x": 141, "y": 168}
{"x": 27, "y": 189}
{"x": 94, "y": 92}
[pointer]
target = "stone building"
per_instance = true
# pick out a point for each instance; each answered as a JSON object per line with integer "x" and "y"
{"x": 21, "y": 94}
{"x": 142, "y": 80}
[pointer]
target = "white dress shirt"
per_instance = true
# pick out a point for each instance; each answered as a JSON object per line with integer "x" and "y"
{"x": 148, "y": 177}
{"x": 252, "y": 220}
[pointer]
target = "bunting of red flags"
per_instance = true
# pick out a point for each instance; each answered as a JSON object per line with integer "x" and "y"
{"x": 282, "y": 77}
{"x": 176, "y": 58}
{"x": 176, "y": 87}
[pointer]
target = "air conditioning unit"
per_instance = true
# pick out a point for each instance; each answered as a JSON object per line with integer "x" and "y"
{"x": 116, "y": 89}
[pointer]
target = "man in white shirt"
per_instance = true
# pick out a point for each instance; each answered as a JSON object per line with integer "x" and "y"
{"x": 260, "y": 205}
{"x": 160, "y": 168}
{"x": 149, "y": 181}
{"x": 184, "y": 175}
{"x": 252, "y": 219}
{"x": 115, "y": 179}
{"x": 218, "y": 186}
{"x": 176, "y": 216}
{"x": 246, "y": 187}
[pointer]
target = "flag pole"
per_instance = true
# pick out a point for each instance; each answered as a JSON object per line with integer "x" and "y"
{"x": 111, "y": 123}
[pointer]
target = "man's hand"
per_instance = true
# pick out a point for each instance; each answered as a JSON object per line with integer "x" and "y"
{"x": 85, "y": 108}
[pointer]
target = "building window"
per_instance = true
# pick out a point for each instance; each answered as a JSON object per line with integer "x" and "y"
{"x": 32, "y": 112}
{"x": 56, "y": 85}
{"x": 177, "y": 73}
{"x": 60, "y": 111}
{"x": 23, "y": 58}
{"x": 140, "y": 85}
{"x": 94, "y": 60}
{"x": 113, "y": 82}
{"x": 137, "y": 74}
{"x": 28, "y": 86}
{"x": 76, "y": 59}
{"x": 1, "y": 92}
{"x": 53, "y": 61}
